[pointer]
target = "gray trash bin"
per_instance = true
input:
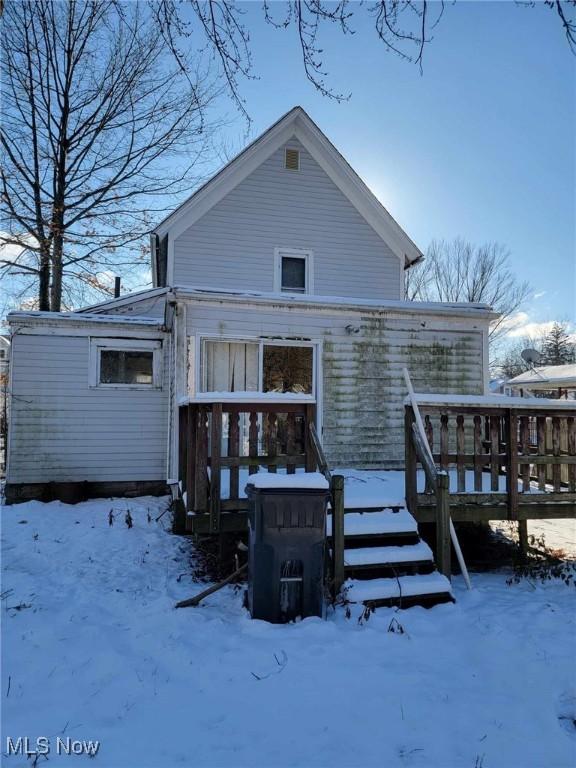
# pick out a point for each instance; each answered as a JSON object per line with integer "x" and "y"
{"x": 287, "y": 539}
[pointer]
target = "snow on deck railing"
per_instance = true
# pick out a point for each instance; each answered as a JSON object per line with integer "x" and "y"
{"x": 492, "y": 401}
{"x": 246, "y": 397}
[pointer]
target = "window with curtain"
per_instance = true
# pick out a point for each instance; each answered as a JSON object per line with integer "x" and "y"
{"x": 230, "y": 366}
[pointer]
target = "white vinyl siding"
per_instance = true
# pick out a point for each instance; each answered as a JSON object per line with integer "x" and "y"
{"x": 233, "y": 245}
{"x": 64, "y": 430}
{"x": 362, "y": 389}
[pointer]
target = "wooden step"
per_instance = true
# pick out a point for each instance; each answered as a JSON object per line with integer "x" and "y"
{"x": 404, "y": 591}
{"x": 380, "y": 522}
{"x": 392, "y": 555}
{"x": 388, "y": 561}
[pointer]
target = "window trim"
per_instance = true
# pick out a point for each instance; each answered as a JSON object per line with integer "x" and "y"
{"x": 315, "y": 344}
{"x": 307, "y": 255}
{"x": 97, "y": 345}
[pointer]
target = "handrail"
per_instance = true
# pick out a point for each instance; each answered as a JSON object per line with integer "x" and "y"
{"x": 440, "y": 481}
{"x": 425, "y": 458}
{"x": 337, "y": 503}
{"x": 321, "y": 461}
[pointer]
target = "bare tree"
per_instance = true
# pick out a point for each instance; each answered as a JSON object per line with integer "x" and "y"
{"x": 403, "y": 27}
{"x": 457, "y": 271}
{"x": 101, "y": 128}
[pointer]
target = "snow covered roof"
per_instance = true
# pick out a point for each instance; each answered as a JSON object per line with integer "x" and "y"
{"x": 75, "y": 317}
{"x": 337, "y": 302}
{"x": 125, "y": 298}
{"x": 492, "y": 401}
{"x": 547, "y": 377}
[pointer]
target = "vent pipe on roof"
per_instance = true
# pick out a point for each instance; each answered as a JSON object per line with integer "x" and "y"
{"x": 117, "y": 281}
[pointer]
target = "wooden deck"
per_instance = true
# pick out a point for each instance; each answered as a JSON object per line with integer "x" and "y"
{"x": 490, "y": 463}
{"x": 227, "y": 436}
{"x": 504, "y": 463}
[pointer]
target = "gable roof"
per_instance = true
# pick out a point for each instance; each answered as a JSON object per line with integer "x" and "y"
{"x": 299, "y": 124}
{"x": 547, "y": 377}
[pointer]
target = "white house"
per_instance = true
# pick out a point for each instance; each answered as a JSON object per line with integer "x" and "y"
{"x": 281, "y": 280}
{"x": 560, "y": 379}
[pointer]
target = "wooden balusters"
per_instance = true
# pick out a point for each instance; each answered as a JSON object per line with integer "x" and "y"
{"x": 541, "y": 450}
{"x": 556, "y": 468}
{"x": 460, "y": 451}
{"x": 290, "y": 442}
{"x": 253, "y": 443}
{"x": 571, "y": 441}
{"x": 272, "y": 440}
{"x": 478, "y": 452}
{"x": 494, "y": 452}
{"x": 234, "y": 450}
{"x": 525, "y": 449}
{"x": 309, "y": 418}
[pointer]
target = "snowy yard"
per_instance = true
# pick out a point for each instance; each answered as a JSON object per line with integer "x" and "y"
{"x": 94, "y": 649}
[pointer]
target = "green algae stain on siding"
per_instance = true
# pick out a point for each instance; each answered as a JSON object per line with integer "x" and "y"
{"x": 356, "y": 378}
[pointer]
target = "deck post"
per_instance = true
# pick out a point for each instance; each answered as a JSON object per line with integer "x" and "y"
{"x": 512, "y": 474}
{"x": 190, "y": 470}
{"x": 338, "y": 531}
{"x": 215, "y": 467}
{"x": 443, "y": 524}
{"x": 309, "y": 418}
{"x": 410, "y": 461}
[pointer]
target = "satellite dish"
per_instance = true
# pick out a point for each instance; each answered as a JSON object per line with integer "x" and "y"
{"x": 531, "y": 356}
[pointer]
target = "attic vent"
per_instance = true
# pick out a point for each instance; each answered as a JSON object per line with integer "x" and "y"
{"x": 292, "y": 160}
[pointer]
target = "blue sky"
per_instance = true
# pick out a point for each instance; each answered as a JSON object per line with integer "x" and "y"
{"x": 482, "y": 145}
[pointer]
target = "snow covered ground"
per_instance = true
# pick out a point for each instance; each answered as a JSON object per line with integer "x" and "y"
{"x": 94, "y": 649}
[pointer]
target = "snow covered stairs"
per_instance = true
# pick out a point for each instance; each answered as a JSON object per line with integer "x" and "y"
{"x": 386, "y": 563}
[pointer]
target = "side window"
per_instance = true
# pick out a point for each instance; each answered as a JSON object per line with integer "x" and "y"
{"x": 130, "y": 363}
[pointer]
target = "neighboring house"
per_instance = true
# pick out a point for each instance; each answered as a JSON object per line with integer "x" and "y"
{"x": 281, "y": 280}
{"x": 549, "y": 380}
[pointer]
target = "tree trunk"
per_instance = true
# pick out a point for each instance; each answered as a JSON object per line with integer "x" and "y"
{"x": 56, "y": 276}
{"x": 44, "y": 278}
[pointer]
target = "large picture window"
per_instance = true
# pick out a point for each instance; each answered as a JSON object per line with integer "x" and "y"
{"x": 258, "y": 366}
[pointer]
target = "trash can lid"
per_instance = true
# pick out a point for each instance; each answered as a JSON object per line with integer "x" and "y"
{"x": 297, "y": 481}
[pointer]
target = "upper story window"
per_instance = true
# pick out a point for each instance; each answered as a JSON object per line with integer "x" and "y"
{"x": 291, "y": 159}
{"x": 293, "y": 271}
{"x": 130, "y": 363}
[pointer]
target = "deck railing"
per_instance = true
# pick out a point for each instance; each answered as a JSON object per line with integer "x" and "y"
{"x": 224, "y": 437}
{"x": 336, "y": 483}
{"x": 496, "y": 470}
{"x": 437, "y": 488}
